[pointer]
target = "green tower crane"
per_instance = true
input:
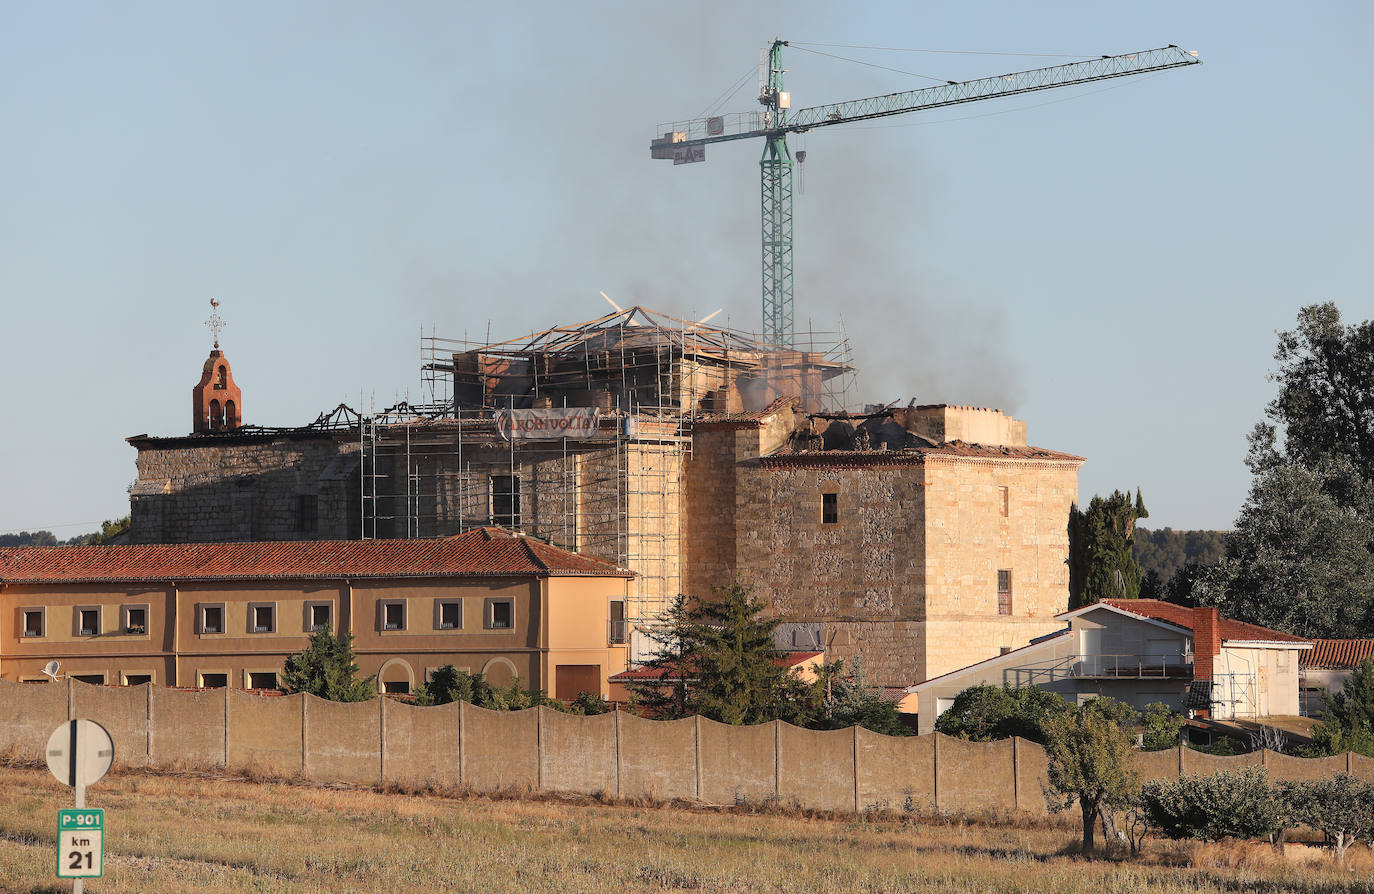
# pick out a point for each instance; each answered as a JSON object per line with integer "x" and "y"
{"x": 685, "y": 142}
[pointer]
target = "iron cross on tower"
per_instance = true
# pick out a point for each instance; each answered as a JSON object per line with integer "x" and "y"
{"x": 216, "y": 323}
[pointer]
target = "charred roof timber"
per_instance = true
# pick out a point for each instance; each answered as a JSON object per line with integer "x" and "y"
{"x": 643, "y": 362}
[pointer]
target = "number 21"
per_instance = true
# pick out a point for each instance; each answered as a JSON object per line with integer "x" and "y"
{"x": 75, "y": 857}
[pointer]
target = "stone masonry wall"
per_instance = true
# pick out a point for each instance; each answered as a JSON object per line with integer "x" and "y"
{"x": 244, "y": 490}
{"x": 970, "y": 537}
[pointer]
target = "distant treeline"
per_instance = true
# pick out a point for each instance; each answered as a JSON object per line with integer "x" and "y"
{"x": 110, "y": 532}
{"x": 1161, "y": 554}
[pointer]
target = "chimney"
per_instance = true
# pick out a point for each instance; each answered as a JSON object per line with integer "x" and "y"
{"x": 1206, "y": 641}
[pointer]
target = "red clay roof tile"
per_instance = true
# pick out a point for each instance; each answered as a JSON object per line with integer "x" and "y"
{"x": 1182, "y": 616}
{"x": 483, "y": 552}
{"x": 1337, "y": 653}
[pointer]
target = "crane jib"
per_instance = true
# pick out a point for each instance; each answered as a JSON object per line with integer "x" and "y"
{"x": 685, "y": 141}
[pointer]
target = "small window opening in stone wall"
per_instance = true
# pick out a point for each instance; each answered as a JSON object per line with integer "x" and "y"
{"x": 830, "y": 509}
{"x": 1004, "y": 592}
{"x": 222, "y": 378}
{"x": 1004, "y": 500}
{"x": 505, "y": 500}
{"x": 216, "y": 415}
{"x": 307, "y": 513}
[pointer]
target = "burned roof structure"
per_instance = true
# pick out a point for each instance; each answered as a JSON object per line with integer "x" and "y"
{"x": 641, "y": 361}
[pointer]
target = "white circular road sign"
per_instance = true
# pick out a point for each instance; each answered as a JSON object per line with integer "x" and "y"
{"x": 80, "y": 752}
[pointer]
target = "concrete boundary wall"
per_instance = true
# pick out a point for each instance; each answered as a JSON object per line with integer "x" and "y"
{"x": 610, "y": 755}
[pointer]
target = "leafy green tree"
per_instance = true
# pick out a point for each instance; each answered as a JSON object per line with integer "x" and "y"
{"x": 1101, "y": 563}
{"x": 1160, "y": 727}
{"x": 984, "y": 712}
{"x": 327, "y": 668}
{"x": 1340, "y": 806}
{"x": 1241, "y": 803}
{"x": 1089, "y": 765}
{"x": 1298, "y": 560}
{"x": 110, "y": 532}
{"x": 1347, "y": 723}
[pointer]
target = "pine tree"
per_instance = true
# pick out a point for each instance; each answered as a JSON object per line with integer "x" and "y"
{"x": 718, "y": 659}
{"x": 327, "y": 668}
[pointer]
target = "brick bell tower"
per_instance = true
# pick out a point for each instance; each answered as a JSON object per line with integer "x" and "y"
{"x": 216, "y": 401}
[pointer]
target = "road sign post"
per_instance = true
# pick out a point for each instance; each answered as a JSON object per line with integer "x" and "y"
{"x": 79, "y": 754}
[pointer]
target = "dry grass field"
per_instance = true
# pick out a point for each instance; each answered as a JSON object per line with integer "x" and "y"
{"x": 195, "y": 833}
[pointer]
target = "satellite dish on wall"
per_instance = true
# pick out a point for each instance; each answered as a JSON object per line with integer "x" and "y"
{"x": 51, "y": 668}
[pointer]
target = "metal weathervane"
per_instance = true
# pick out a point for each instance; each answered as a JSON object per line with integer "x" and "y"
{"x": 216, "y": 323}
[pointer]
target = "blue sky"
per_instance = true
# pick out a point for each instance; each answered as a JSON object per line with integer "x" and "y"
{"x": 1109, "y": 263}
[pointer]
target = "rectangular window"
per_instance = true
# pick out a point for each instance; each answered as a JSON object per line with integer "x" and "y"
{"x": 262, "y": 618}
{"x": 307, "y": 514}
{"x": 136, "y": 619}
{"x": 448, "y": 614}
{"x": 214, "y": 681}
{"x": 33, "y": 622}
{"x": 394, "y": 615}
{"x": 262, "y": 680}
{"x": 617, "y": 636}
{"x": 318, "y": 616}
{"x": 95, "y": 679}
{"x": 212, "y": 619}
{"x": 88, "y": 622}
{"x": 830, "y": 509}
{"x": 500, "y": 614}
{"x": 505, "y": 501}
{"x": 1004, "y": 500}
{"x": 1004, "y": 592}
{"x": 396, "y": 687}
{"x": 137, "y": 679}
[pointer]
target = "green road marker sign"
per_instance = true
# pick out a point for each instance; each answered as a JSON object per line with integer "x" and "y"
{"x": 81, "y": 843}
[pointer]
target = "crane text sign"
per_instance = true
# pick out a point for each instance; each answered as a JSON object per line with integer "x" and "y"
{"x": 81, "y": 843}
{"x": 577, "y": 423}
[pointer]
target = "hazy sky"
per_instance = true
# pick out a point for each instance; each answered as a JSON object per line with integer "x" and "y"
{"x": 1109, "y": 262}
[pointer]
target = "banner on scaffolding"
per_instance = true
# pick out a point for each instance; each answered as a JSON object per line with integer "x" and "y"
{"x": 575, "y": 423}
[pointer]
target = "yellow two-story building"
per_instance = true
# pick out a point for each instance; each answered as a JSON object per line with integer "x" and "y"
{"x": 229, "y": 614}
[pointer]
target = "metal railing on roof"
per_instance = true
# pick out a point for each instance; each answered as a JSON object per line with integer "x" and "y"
{"x": 1103, "y": 666}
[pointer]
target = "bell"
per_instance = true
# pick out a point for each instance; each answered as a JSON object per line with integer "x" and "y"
{"x": 801, "y": 155}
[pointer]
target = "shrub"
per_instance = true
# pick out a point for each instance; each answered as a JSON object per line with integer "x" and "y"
{"x": 1239, "y": 803}
{"x": 983, "y": 713}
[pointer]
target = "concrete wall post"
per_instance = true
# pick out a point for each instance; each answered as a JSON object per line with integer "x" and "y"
{"x": 935, "y": 770}
{"x": 696, "y": 750}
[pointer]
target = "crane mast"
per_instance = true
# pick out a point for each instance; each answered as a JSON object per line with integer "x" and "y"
{"x": 685, "y": 142}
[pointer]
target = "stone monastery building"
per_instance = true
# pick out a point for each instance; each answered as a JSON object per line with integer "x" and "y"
{"x": 918, "y": 538}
